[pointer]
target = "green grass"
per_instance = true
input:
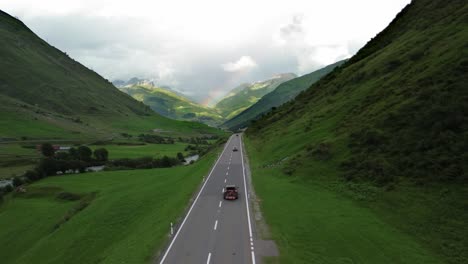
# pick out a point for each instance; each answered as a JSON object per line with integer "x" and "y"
{"x": 15, "y": 125}
{"x": 127, "y": 221}
{"x": 16, "y": 170}
{"x": 15, "y": 160}
{"x": 147, "y": 150}
{"x": 315, "y": 221}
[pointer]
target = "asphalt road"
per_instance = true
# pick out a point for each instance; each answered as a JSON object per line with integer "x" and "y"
{"x": 216, "y": 230}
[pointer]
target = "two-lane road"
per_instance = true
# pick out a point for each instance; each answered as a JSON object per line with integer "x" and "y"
{"x": 215, "y": 230}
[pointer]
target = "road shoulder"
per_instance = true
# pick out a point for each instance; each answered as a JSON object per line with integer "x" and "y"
{"x": 266, "y": 248}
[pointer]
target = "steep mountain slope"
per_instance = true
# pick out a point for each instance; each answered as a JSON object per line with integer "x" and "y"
{"x": 171, "y": 104}
{"x": 45, "y": 93}
{"x": 389, "y": 129}
{"x": 282, "y": 94}
{"x": 245, "y": 95}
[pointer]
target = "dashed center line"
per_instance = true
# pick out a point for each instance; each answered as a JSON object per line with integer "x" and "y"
{"x": 227, "y": 173}
{"x": 220, "y": 203}
{"x": 216, "y": 225}
{"x": 225, "y": 180}
{"x": 209, "y": 257}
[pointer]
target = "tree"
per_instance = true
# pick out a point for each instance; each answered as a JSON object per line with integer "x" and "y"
{"x": 84, "y": 153}
{"x": 47, "y": 166}
{"x": 62, "y": 155}
{"x": 32, "y": 175}
{"x": 17, "y": 181}
{"x": 101, "y": 154}
{"x": 180, "y": 156}
{"x": 73, "y": 153}
{"x": 166, "y": 162}
{"x": 47, "y": 150}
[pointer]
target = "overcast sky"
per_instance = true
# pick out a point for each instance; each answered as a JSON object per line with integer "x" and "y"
{"x": 205, "y": 48}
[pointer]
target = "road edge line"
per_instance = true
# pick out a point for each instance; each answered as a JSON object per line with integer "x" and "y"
{"x": 247, "y": 202}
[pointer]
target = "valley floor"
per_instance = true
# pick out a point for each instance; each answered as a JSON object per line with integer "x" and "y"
{"x": 104, "y": 217}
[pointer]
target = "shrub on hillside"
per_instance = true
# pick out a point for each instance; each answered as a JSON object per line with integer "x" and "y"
{"x": 68, "y": 196}
{"x": 321, "y": 151}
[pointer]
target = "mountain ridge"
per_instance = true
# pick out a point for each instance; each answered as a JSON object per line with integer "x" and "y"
{"x": 284, "y": 92}
{"x": 50, "y": 94}
{"x": 245, "y": 95}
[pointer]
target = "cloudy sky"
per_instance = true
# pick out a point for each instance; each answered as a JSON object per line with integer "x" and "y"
{"x": 205, "y": 48}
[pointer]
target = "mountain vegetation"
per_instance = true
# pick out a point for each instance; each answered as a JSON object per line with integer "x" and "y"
{"x": 388, "y": 129}
{"x": 245, "y": 95}
{"x": 46, "y": 94}
{"x": 171, "y": 104}
{"x": 285, "y": 92}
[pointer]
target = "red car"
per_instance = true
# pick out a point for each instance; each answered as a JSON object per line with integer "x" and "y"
{"x": 230, "y": 192}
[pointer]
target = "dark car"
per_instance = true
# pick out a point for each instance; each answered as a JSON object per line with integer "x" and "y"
{"x": 230, "y": 192}
{"x": 234, "y": 149}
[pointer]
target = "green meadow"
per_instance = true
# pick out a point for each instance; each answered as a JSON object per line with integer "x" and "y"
{"x": 105, "y": 217}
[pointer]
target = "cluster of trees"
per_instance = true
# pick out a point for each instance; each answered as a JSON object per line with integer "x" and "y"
{"x": 197, "y": 149}
{"x": 82, "y": 153}
{"x": 197, "y": 140}
{"x": 145, "y": 163}
{"x": 155, "y": 139}
{"x": 53, "y": 162}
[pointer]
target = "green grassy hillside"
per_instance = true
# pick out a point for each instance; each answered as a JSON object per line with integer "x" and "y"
{"x": 172, "y": 105}
{"x": 245, "y": 95}
{"x": 282, "y": 94}
{"x": 104, "y": 217}
{"x": 387, "y": 131}
{"x": 46, "y": 94}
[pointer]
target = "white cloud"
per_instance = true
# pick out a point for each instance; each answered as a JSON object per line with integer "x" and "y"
{"x": 183, "y": 43}
{"x": 243, "y": 64}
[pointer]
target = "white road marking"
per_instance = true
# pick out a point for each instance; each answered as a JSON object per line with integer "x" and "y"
{"x": 227, "y": 172}
{"x": 228, "y": 167}
{"x": 222, "y": 190}
{"x": 209, "y": 257}
{"x": 194, "y": 202}
{"x": 220, "y": 203}
{"x": 247, "y": 203}
{"x": 225, "y": 180}
{"x": 216, "y": 225}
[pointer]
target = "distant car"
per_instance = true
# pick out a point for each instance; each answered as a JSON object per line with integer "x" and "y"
{"x": 234, "y": 149}
{"x": 237, "y": 135}
{"x": 230, "y": 192}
